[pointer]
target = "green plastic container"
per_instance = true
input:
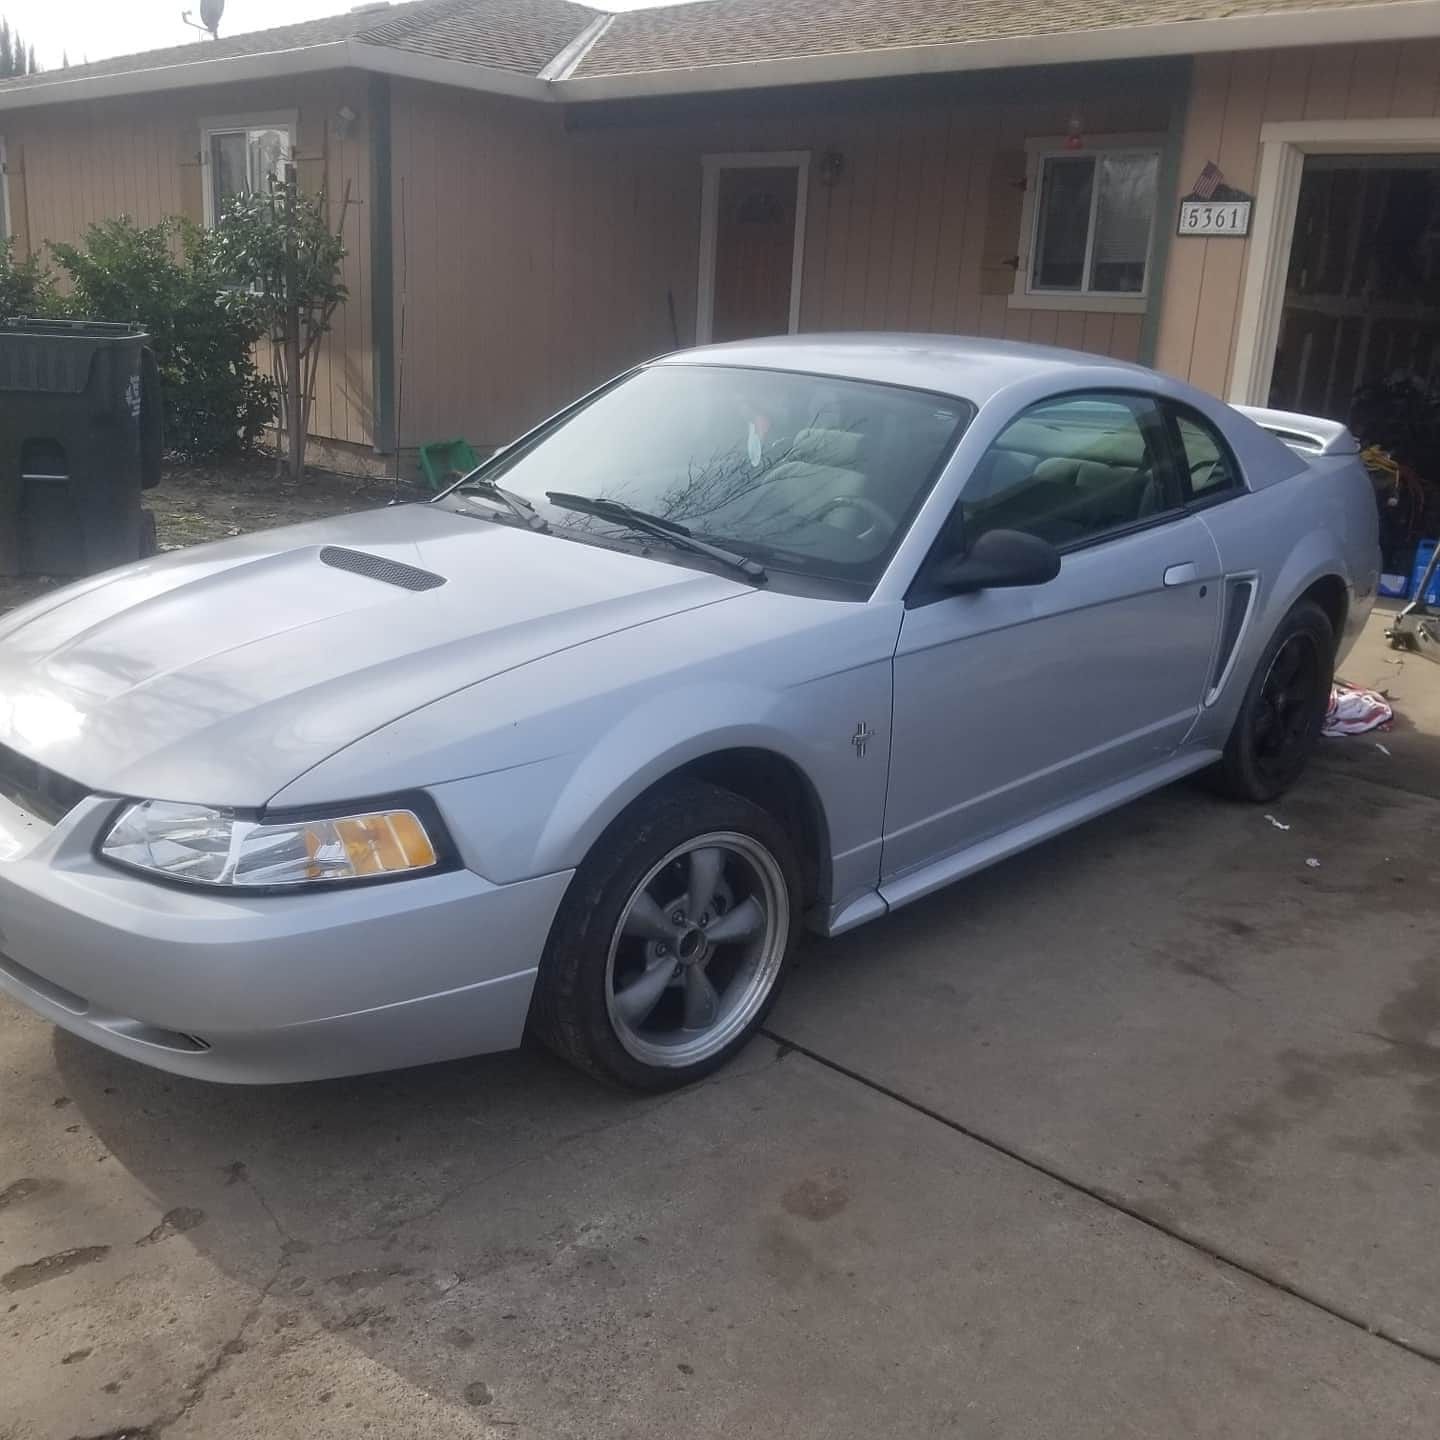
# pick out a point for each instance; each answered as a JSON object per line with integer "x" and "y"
{"x": 445, "y": 461}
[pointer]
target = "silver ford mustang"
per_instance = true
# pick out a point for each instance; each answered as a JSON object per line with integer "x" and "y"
{"x": 783, "y": 632}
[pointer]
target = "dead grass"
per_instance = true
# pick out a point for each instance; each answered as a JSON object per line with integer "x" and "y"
{"x": 193, "y": 504}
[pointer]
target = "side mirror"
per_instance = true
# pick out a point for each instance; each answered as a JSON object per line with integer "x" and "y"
{"x": 1000, "y": 558}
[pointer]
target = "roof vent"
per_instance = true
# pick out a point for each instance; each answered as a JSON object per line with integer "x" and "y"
{"x": 377, "y": 567}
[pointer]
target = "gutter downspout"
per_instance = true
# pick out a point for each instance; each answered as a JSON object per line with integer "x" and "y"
{"x": 382, "y": 269}
{"x": 1167, "y": 194}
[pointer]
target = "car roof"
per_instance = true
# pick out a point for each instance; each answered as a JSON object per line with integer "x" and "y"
{"x": 965, "y": 366}
{"x": 982, "y": 371}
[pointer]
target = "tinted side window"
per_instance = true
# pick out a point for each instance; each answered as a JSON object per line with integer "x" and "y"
{"x": 1069, "y": 469}
{"x": 1208, "y": 468}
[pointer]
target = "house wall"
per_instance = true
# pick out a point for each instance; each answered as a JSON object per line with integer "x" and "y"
{"x": 528, "y": 264}
{"x": 69, "y": 166}
{"x": 1231, "y": 97}
{"x": 538, "y": 251}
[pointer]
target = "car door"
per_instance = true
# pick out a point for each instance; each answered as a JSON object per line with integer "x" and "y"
{"x": 1010, "y": 703}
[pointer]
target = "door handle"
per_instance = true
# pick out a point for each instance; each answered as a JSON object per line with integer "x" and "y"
{"x": 1181, "y": 574}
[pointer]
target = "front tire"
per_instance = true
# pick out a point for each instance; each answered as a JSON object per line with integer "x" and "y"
{"x": 1284, "y": 708}
{"x": 672, "y": 941}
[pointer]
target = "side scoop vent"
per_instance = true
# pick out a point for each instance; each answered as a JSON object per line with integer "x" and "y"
{"x": 377, "y": 567}
{"x": 1239, "y": 598}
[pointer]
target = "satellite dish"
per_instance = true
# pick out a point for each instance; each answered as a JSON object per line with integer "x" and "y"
{"x": 210, "y": 13}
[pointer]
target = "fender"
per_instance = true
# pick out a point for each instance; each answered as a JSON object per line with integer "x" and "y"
{"x": 644, "y": 748}
{"x": 1315, "y": 555}
{"x": 551, "y": 752}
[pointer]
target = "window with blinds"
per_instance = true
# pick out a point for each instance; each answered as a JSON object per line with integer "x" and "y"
{"x": 1092, "y": 222}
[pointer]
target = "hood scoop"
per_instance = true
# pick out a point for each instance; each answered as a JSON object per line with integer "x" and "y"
{"x": 377, "y": 567}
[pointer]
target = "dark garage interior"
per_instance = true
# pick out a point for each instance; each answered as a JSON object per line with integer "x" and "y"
{"x": 1360, "y": 330}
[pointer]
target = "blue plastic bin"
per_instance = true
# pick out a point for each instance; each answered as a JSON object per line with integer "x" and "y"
{"x": 1423, "y": 552}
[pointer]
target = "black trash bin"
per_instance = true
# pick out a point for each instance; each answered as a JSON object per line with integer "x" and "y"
{"x": 80, "y": 438}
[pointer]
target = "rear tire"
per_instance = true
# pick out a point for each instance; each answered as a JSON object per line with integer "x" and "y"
{"x": 1283, "y": 711}
{"x": 672, "y": 941}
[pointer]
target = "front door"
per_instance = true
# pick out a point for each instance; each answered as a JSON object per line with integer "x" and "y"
{"x": 755, "y": 219}
{"x": 1012, "y": 703}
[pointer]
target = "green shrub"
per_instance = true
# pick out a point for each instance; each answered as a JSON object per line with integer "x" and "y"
{"x": 165, "y": 279}
{"x": 26, "y": 286}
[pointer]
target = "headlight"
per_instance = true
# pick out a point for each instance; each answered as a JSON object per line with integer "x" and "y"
{"x": 206, "y": 846}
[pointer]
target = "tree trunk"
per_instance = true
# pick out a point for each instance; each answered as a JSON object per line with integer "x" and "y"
{"x": 294, "y": 411}
{"x": 294, "y": 415}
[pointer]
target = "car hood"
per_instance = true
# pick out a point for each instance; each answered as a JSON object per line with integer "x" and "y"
{"x": 221, "y": 673}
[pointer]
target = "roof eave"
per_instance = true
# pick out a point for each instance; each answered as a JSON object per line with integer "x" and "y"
{"x": 1404, "y": 20}
{"x": 56, "y": 89}
{"x": 301, "y": 60}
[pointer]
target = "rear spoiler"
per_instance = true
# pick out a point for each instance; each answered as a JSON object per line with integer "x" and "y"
{"x": 1308, "y": 435}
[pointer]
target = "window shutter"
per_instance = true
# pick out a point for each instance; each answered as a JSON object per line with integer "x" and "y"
{"x": 1004, "y": 202}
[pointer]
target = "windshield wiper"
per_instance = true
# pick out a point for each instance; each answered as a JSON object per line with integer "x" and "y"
{"x": 657, "y": 525}
{"x": 517, "y": 505}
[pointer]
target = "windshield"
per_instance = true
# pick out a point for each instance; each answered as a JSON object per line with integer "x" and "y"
{"x": 805, "y": 472}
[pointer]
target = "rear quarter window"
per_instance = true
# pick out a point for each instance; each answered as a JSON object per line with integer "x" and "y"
{"x": 1208, "y": 468}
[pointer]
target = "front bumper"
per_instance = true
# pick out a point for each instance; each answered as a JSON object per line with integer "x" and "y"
{"x": 260, "y": 989}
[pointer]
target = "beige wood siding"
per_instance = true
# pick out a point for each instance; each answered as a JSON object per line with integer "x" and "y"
{"x": 539, "y": 253}
{"x": 1231, "y": 97}
{"x": 73, "y": 165}
{"x": 529, "y": 264}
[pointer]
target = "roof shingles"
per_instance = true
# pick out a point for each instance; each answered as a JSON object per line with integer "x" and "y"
{"x": 733, "y": 32}
{"x": 523, "y": 36}
{"x": 519, "y": 35}
{"x": 256, "y": 42}
{"x": 516, "y": 35}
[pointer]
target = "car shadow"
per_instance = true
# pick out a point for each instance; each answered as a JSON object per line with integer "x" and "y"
{"x": 430, "y": 1219}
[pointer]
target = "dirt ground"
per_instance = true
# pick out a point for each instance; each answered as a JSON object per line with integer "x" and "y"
{"x": 196, "y": 503}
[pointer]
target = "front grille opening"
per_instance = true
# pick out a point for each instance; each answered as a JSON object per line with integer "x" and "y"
{"x": 45, "y": 794}
{"x": 162, "y": 1039}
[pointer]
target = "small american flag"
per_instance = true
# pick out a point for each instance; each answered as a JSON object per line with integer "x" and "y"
{"x": 1209, "y": 182}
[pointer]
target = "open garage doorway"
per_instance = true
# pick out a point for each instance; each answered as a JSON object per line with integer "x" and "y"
{"x": 1362, "y": 290}
{"x": 1341, "y": 310}
{"x": 1359, "y": 333}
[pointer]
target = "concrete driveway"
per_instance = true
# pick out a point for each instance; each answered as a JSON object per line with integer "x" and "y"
{"x": 1137, "y": 1135}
